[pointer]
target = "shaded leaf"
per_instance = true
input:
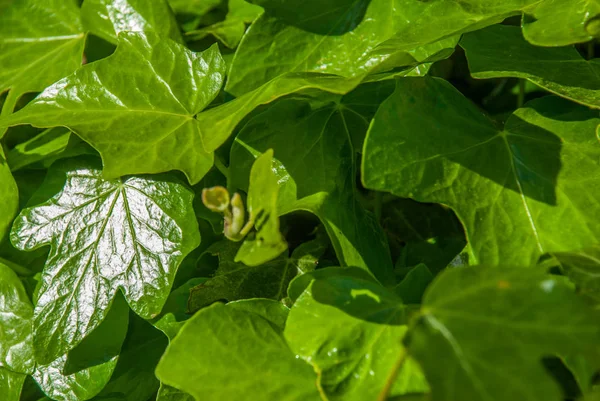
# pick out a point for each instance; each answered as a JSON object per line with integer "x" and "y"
{"x": 137, "y": 106}
{"x": 486, "y": 323}
{"x": 583, "y": 268}
{"x": 128, "y": 233}
{"x": 40, "y": 42}
{"x": 500, "y": 51}
{"x": 412, "y": 287}
{"x": 198, "y": 360}
{"x": 518, "y": 192}
{"x": 352, "y": 363}
{"x": 315, "y": 168}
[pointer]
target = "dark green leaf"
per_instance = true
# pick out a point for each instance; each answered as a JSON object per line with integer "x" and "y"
{"x": 491, "y": 323}
{"x": 40, "y": 42}
{"x": 200, "y": 358}
{"x": 583, "y": 268}
{"x": 519, "y": 192}
{"x": 501, "y": 51}
{"x": 352, "y": 363}
{"x": 412, "y": 288}
{"x": 128, "y": 233}
{"x": 137, "y": 106}
{"x": 315, "y": 168}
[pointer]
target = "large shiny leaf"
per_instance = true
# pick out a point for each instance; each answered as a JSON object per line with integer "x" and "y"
{"x": 501, "y": 51}
{"x": 41, "y": 41}
{"x": 248, "y": 334}
{"x": 9, "y": 196}
{"x": 493, "y": 326}
{"x": 104, "y": 235}
{"x": 352, "y": 363}
{"x": 314, "y": 162}
{"x": 107, "y": 18}
{"x": 11, "y": 384}
{"x": 137, "y": 106}
{"x": 16, "y": 334}
{"x": 519, "y": 192}
{"x": 217, "y": 124}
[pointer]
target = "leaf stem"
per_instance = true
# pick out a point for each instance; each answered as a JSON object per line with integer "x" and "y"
{"x": 221, "y": 166}
{"x": 385, "y": 392}
{"x": 521, "y": 98}
{"x": 20, "y": 270}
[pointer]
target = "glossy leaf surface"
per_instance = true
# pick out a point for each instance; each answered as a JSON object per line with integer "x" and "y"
{"x": 104, "y": 235}
{"x": 11, "y": 384}
{"x": 137, "y": 106}
{"x": 107, "y": 18}
{"x": 484, "y": 322}
{"x": 9, "y": 196}
{"x": 315, "y": 167}
{"x": 198, "y": 359}
{"x": 500, "y": 51}
{"x": 353, "y": 363}
{"x": 518, "y": 192}
{"x": 40, "y": 42}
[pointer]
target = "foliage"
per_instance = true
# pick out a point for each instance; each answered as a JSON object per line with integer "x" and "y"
{"x": 330, "y": 200}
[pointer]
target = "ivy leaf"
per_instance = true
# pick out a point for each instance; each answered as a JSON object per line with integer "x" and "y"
{"x": 199, "y": 359}
{"x": 129, "y": 233}
{"x": 11, "y": 384}
{"x": 583, "y": 268}
{"x": 9, "y": 196}
{"x": 519, "y": 192}
{"x": 235, "y": 281}
{"x": 231, "y": 30}
{"x": 16, "y": 334}
{"x": 40, "y": 42}
{"x": 107, "y": 18}
{"x": 562, "y": 22}
{"x": 315, "y": 168}
{"x": 85, "y": 370}
{"x": 353, "y": 363}
{"x": 137, "y": 106}
{"x": 484, "y": 322}
{"x": 501, "y": 51}
{"x": 262, "y": 206}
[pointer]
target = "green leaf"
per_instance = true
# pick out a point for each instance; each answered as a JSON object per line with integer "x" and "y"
{"x": 583, "y": 268}
{"x": 315, "y": 169}
{"x": 9, "y": 196}
{"x": 562, "y": 22}
{"x": 107, "y": 18}
{"x": 299, "y": 284}
{"x": 232, "y": 28}
{"x": 500, "y": 51}
{"x": 11, "y": 384}
{"x": 218, "y": 123}
{"x": 133, "y": 378}
{"x": 16, "y": 332}
{"x": 519, "y": 192}
{"x": 352, "y": 363}
{"x": 40, "y": 42}
{"x": 200, "y": 358}
{"x": 168, "y": 393}
{"x": 129, "y": 233}
{"x": 262, "y": 206}
{"x": 234, "y": 281}
{"x": 491, "y": 323}
{"x": 137, "y": 106}
{"x": 86, "y": 369}
{"x": 412, "y": 288}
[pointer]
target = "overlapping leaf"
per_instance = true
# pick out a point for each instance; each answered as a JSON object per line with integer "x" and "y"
{"x": 129, "y": 233}
{"x": 353, "y": 363}
{"x": 500, "y": 51}
{"x": 9, "y": 196}
{"x": 199, "y": 359}
{"x": 137, "y": 106}
{"x": 315, "y": 167}
{"x": 492, "y": 323}
{"x": 519, "y": 192}
{"x": 40, "y": 42}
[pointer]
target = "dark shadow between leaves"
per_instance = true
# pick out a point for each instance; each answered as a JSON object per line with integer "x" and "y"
{"x": 330, "y": 17}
